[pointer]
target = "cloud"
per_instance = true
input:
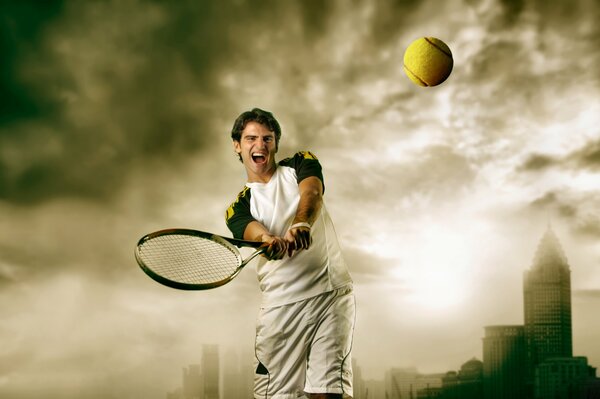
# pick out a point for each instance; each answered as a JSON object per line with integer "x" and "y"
{"x": 116, "y": 123}
{"x": 435, "y": 174}
{"x": 579, "y": 210}
{"x": 22, "y": 28}
{"x": 130, "y": 85}
{"x": 369, "y": 267}
{"x": 538, "y": 162}
{"x": 586, "y": 157}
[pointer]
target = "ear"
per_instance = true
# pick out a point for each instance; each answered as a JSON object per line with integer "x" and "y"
{"x": 237, "y": 147}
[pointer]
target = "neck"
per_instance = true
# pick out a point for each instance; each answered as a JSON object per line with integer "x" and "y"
{"x": 262, "y": 177}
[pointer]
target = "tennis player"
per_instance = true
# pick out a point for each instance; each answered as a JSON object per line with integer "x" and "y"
{"x": 306, "y": 320}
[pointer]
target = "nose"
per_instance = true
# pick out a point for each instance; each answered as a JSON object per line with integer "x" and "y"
{"x": 262, "y": 142}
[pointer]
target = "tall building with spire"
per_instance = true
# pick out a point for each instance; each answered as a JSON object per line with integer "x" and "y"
{"x": 547, "y": 300}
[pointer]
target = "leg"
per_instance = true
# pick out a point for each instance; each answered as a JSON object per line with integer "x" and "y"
{"x": 329, "y": 370}
{"x": 280, "y": 352}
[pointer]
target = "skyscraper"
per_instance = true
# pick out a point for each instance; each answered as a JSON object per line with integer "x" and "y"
{"x": 358, "y": 383}
{"x": 210, "y": 371}
{"x": 504, "y": 362}
{"x": 192, "y": 382}
{"x": 547, "y": 300}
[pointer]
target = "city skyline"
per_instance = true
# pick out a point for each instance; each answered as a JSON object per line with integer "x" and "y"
{"x": 400, "y": 382}
{"x": 115, "y": 121}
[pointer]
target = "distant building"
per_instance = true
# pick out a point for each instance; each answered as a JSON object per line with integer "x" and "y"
{"x": 504, "y": 362}
{"x": 210, "y": 371}
{"x": 547, "y": 300}
{"x": 233, "y": 382}
{"x": 466, "y": 384}
{"x": 592, "y": 386}
{"x": 471, "y": 379}
{"x": 192, "y": 382}
{"x": 358, "y": 384}
{"x": 176, "y": 394}
{"x": 374, "y": 389}
{"x": 450, "y": 385}
{"x": 562, "y": 378}
{"x": 405, "y": 383}
{"x": 398, "y": 382}
{"x": 200, "y": 381}
{"x": 429, "y": 393}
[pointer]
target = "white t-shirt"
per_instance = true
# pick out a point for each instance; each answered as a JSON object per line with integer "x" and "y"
{"x": 307, "y": 273}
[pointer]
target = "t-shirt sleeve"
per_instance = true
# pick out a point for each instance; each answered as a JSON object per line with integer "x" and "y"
{"x": 306, "y": 164}
{"x": 238, "y": 215}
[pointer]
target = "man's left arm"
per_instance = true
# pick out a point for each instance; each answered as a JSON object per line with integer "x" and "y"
{"x": 309, "y": 206}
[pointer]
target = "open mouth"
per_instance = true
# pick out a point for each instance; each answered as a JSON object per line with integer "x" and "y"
{"x": 259, "y": 158}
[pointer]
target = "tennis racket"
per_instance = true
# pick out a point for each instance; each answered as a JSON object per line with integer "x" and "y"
{"x": 192, "y": 260}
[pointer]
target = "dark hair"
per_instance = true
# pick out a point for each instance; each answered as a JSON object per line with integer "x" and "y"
{"x": 256, "y": 115}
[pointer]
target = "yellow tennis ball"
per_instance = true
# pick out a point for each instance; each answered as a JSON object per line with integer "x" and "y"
{"x": 428, "y": 61}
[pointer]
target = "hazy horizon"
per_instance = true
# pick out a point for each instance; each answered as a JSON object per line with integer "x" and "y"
{"x": 115, "y": 120}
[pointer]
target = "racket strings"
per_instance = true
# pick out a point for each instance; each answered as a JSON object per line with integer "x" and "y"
{"x": 189, "y": 259}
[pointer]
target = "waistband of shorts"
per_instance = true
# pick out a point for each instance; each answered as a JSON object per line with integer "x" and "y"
{"x": 344, "y": 289}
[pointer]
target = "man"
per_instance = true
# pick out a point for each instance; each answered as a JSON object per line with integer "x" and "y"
{"x": 305, "y": 324}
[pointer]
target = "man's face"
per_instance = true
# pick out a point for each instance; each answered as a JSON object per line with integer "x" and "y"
{"x": 257, "y": 147}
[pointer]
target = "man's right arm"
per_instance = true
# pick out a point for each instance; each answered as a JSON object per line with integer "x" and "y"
{"x": 276, "y": 246}
{"x": 242, "y": 224}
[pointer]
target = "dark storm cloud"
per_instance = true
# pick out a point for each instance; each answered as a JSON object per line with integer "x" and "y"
{"x": 590, "y": 227}
{"x": 579, "y": 210}
{"x": 389, "y": 19}
{"x": 502, "y": 61}
{"x": 556, "y": 15}
{"x": 21, "y": 30}
{"x": 555, "y": 200}
{"x": 96, "y": 89}
{"x": 586, "y": 157}
{"x": 315, "y": 17}
{"x": 436, "y": 173}
{"x": 110, "y": 78}
{"x": 528, "y": 57}
{"x": 538, "y": 162}
{"x": 512, "y": 9}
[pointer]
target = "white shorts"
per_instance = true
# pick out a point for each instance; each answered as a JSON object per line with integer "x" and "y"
{"x": 305, "y": 347}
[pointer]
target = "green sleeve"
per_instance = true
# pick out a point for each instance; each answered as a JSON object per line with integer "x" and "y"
{"x": 238, "y": 215}
{"x": 306, "y": 164}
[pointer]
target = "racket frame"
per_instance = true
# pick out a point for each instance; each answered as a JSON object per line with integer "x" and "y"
{"x": 232, "y": 244}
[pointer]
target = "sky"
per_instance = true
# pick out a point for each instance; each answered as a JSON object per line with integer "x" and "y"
{"x": 115, "y": 121}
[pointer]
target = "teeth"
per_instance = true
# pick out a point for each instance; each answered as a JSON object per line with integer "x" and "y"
{"x": 256, "y": 154}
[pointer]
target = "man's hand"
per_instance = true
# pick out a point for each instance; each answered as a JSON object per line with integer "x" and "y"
{"x": 276, "y": 247}
{"x": 298, "y": 238}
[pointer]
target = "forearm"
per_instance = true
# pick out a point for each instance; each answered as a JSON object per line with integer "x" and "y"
{"x": 255, "y": 231}
{"x": 308, "y": 208}
{"x": 311, "y": 200}
{"x": 276, "y": 247}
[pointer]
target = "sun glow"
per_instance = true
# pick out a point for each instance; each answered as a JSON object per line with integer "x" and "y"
{"x": 436, "y": 269}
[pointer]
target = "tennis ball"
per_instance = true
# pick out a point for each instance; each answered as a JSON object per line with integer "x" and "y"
{"x": 428, "y": 61}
